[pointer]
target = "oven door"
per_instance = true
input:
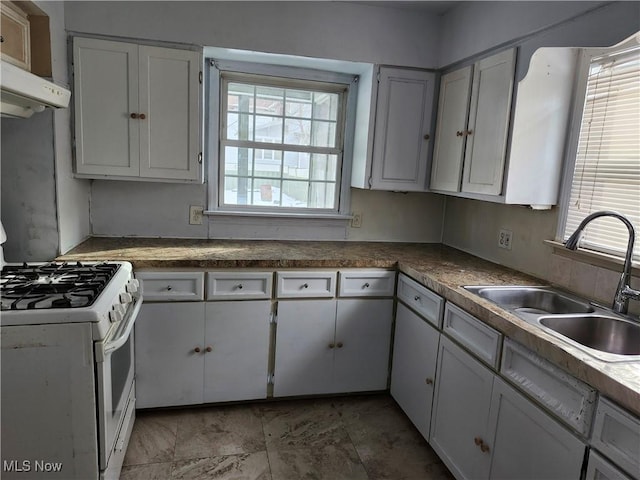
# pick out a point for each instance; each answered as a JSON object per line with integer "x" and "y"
{"x": 115, "y": 372}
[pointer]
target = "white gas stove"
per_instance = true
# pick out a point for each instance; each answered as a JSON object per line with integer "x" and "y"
{"x": 68, "y": 383}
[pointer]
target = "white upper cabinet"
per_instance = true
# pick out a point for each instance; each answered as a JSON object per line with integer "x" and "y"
{"x": 137, "y": 112}
{"x": 397, "y": 158}
{"x": 488, "y": 125}
{"x": 490, "y": 146}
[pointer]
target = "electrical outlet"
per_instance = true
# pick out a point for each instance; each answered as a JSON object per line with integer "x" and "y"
{"x": 504, "y": 239}
{"x": 356, "y": 220}
{"x": 195, "y": 215}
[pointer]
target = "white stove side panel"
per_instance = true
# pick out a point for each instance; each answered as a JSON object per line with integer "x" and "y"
{"x": 48, "y": 402}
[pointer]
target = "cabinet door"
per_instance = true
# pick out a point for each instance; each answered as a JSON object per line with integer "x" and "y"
{"x": 238, "y": 334}
{"x": 169, "y": 371}
{"x": 105, "y": 94}
{"x": 403, "y": 119}
{"x": 528, "y": 443}
{"x": 451, "y": 126}
{"x": 363, "y": 341}
{"x": 488, "y": 124}
{"x": 415, "y": 351}
{"x": 461, "y": 412}
{"x": 169, "y": 133}
{"x": 304, "y": 347}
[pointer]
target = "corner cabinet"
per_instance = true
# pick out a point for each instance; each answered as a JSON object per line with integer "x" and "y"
{"x": 503, "y": 144}
{"x": 397, "y": 155}
{"x": 137, "y": 112}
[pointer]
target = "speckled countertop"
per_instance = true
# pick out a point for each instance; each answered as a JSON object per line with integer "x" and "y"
{"x": 441, "y": 269}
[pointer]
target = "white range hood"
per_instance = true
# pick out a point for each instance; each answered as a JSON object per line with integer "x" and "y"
{"x": 24, "y": 93}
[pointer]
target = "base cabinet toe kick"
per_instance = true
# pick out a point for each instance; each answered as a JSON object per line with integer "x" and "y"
{"x": 489, "y": 407}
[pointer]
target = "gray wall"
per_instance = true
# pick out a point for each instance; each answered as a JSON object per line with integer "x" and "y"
{"x": 44, "y": 210}
{"x": 474, "y": 226}
{"x": 343, "y": 31}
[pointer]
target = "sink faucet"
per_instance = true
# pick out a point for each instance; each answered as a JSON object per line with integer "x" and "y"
{"x": 624, "y": 292}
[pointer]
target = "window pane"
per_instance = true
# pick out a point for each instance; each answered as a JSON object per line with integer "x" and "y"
{"x": 296, "y": 165}
{"x": 266, "y": 192}
{"x": 295, "y": 194}
{"x": 297, "y": 132}
{"x": 240, "y": 98}
{"x": 269, "y": 100}
{"x": 325, "y": 106}
{"x": 239, "y": 126}
{"x": 323, "y": 134}
{"x": 238, "y": 161}
{"x": 268, "y": 129}
{"x": 268, "y": 163}
{"x": 322, "y": 195}
{"x": 323, "y": 167}
{"x": 299, "y": 103}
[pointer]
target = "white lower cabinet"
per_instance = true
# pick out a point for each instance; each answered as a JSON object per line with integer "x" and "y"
{"x": 237, "y": 366}
{"x": 461, "y": 412}
{"x": 415, "y": 350}
{"x": 484, "y": 428}
{"x": 332, "y": 346}
{"x": 169, "y": 370}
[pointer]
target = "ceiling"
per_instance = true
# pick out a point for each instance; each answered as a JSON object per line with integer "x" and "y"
{"x": 434, "y": 7}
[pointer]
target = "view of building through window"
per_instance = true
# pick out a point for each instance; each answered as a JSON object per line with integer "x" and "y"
{"x": 281, "y": 146}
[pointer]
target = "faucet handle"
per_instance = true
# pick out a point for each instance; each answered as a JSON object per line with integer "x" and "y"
{"x": 630, "y": 293}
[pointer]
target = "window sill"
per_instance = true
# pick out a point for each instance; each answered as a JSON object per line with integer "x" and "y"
{"x": 592, "y": 257}
{"x": 309, "y": 216}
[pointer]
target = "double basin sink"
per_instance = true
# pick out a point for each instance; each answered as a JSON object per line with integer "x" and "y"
{"x": 591, "y": 328}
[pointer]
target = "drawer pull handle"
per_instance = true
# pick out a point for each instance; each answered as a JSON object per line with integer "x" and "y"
{"x": 197, "y": 349}
{"x": 339, "y": 345}
{"x": 306, "y": 285}
{"x": 416, "y": 298}
{"x": 429, "y": 381}
{"x": 209, "y": 349}
{"x": 169, "y": 287}
{"x": 484, "y": 448}
{"x": 331, "y": 345}
{"x": 366, "y": 285}
{"x": 239, "y": 287}
{"x": 477, "y": 441}
{"x": 459, "y": 133}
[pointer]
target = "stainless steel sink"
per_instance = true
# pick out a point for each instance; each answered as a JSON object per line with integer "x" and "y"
{"x": 602, "y": 333}
{"x": 532, "y": 300}
{"x": 595, "y": 330}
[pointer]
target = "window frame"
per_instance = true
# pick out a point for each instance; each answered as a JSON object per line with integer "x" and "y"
{"x": 585, "y": 57}
{"x": 213, "y": 106}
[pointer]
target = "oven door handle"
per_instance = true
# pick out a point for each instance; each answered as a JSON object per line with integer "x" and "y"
{"x": 121, "y": 333}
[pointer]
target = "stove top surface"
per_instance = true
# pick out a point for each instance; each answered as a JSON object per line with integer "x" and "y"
{"x": 53, "y": 285}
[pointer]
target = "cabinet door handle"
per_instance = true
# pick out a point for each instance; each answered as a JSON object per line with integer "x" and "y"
{"x": 134, "y": 115}
{"x": 484, "y": 448}
{"x": 477, "y": 441}
{"x": 142, "y": 116}
{"x": 169, "y": 287}
{"x": 209, "y": 349}
{"x": 468, "y": 132}
{"x": 429, "y": 381}
{"x": 339, "y": 345}
{"x": 427, "y": 136}
{"x": 239, "y": 287}
{"x": 416, "y": 298}
{"x": 331, "y": 345}
{"x": 197, "y": 349}
{"x": 366, "y": 285}
{"x": 459, "y": 133}
{"x": 305, "y": 285}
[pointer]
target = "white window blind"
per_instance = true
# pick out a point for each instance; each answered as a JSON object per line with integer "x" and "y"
{"x": 607, "y": 165}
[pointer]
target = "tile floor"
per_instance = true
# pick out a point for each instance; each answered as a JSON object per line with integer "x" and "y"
{"x": 342, "y": 438}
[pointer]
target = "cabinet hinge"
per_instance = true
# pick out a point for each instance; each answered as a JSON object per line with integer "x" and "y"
{"x": 200, "y": 158}
{"x": 200, "y": 76}
{"x": 378, "y": 75}
{"x": 370, "y": 182}
{"x": 270, "y": 377}
{"x": 273, "y": 318}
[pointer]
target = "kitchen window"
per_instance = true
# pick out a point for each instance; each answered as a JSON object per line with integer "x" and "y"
{"x": 282, "y": 133}
{"x": 606, "y": 148}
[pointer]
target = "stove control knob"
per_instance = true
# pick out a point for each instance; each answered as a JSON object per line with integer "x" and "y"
{"x": 119, "y": 308}
{"x": 125, "y": 298}
{"x": 115, "y": 316}
{"x": 133, "y": 286}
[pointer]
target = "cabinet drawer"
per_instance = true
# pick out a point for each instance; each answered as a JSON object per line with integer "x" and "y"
{"x": 600, "y": 469}
{"x": 477, "y": 337}
{"x": 616, "y": 434}
{"x": 306, "y": 284}
{"x": 571, "y": 400}
{"x": 367, "y": 283}
{"x": 421, "y": 299}
{"x": 172, "y": 286}
{"x": 239, "y": 285}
